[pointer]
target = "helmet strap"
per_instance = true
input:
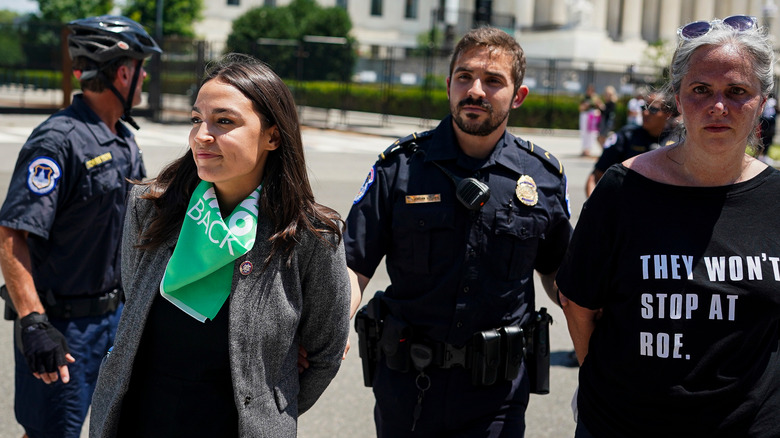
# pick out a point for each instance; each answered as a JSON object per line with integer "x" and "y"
{"x": 127, "y": 103}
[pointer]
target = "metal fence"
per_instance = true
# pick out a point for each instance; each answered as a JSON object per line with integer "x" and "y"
{"x": 31, "y": 72}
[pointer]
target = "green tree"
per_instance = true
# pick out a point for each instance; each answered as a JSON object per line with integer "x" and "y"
{"x": 63, "y": 11}
{"x": 277, "y": 35}
{"x": 276, "y": 26}
{"x": 11, "y": 52}
{"x": 333, "y": 61}
{"x": 7, "y": 16}
{"x": 178, "y": 15}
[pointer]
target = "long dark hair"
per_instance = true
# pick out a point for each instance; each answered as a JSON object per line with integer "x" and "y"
{"x": 287, "y": 198}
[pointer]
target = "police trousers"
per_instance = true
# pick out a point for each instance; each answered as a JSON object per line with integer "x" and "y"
{"x": 451, "y": 406}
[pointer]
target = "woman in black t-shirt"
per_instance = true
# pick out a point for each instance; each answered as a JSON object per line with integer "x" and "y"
{"x": 669, "y": 288}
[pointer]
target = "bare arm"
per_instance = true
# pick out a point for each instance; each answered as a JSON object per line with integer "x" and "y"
{"x": 358, "y": 282}
{"x": 581, "y": 322}
{"x": 17, "y": 271}
{"x": 593, "y": 179}
{"x": 548, "y": 282}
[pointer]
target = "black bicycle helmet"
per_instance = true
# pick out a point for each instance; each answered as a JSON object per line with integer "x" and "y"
{"x": 108, "y": 37}
{"x": 105, "y": 39}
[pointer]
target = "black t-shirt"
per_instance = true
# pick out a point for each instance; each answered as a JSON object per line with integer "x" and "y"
{"x": 181, "y": 385}
{"x": 688, "y": 279}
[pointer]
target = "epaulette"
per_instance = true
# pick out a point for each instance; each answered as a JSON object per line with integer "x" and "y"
{"x": 403, "y": 143}
{"x": 542, "y": 154}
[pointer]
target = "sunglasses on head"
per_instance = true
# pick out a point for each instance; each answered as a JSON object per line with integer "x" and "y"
{"x": 653, "y": 110}
{"x": 740, "y": 23}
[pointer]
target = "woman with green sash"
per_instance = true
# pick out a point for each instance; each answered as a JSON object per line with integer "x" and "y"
{"x": 229, "y": 268}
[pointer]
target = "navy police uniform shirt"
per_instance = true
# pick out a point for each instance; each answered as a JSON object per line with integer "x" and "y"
{"x": 630, "y": 141}
{"x": 455, "y": 272}
{"x": 68, "y": 190}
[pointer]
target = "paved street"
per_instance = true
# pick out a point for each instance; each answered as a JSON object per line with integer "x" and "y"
{"x": 339, "y": 160}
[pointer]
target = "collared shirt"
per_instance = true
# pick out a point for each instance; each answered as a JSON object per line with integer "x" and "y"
{"x": 68, "y": 191}
{"x": 455, "y": 272}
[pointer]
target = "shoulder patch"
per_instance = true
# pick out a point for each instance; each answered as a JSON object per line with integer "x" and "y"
{"x": 403, "y": 143}
{"x": 540, "y": 153}
{"x": 42, "y": 175}
{"x": 366, "y": 185}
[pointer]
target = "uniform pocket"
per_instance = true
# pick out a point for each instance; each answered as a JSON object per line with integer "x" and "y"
{"x": 416, "y": 229}
{"x": 514, "y": 243}
{"x": 99, "y": 181}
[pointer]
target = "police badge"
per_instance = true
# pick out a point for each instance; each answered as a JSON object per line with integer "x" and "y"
{"x": 526, "y": 191}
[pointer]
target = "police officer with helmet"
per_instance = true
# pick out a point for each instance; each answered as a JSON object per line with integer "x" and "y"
{"x": 464, "y": 215}
{"x": 60, "y": 228}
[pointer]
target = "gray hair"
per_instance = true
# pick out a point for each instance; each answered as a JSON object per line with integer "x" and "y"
{"x": 753, "y": 42}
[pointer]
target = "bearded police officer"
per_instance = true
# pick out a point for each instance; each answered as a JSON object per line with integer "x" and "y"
{"x": 60, "y": 228}
{"x": 464, "y": 215}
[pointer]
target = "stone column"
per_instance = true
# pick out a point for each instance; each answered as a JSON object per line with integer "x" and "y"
{"x": 704, "y": 10}
{"x": 599, "y": 19}
{"x": 650, "y": 17}
{"x": 558, "y": 13}
{"x": 550, "y": 12}
{"x": 613, "y": 18}
{"x": 524, "y": 13}
{"x": 632, "y": 20}
{"x": 721, "y": 9}
{"x": 669, "y": 20}
{"x": 541, "y": 12}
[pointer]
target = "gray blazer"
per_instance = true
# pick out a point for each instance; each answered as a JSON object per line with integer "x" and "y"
{"x": 272, "y": 312}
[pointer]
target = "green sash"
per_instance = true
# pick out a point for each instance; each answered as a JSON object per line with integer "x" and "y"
{"x": 199, "y": 274}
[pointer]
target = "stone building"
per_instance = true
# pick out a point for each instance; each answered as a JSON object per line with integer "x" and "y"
{"x": 592, "y": 30}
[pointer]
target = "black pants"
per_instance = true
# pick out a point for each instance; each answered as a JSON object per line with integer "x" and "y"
{"x": 451, "y": 407}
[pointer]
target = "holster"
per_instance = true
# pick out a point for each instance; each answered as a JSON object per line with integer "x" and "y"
{"x": 368, "y": 324}
{"x": 537, "y": 354}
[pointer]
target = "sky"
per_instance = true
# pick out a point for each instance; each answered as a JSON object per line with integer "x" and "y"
{"x": 22, "y": 6}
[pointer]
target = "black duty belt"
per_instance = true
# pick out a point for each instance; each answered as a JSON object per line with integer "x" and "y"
{"x": 69, "y": 308}
{"x": 491, "y": 355}
{"x": 448, "y": 355}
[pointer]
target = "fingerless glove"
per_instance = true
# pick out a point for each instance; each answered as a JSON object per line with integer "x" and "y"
{"x": 44, "y": 347}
